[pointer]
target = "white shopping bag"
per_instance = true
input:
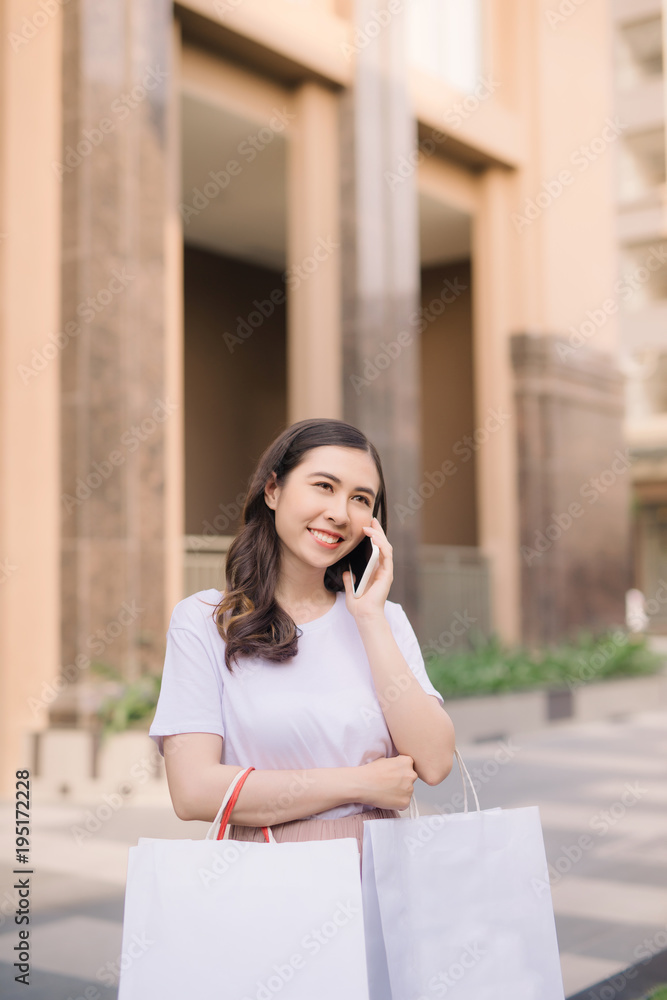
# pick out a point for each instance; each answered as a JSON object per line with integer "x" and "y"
{"x": 238, "y": 920}
{"x": 459, "y": 906}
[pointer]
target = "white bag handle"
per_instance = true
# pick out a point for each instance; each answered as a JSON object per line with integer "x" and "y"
{"x": 463, "y": 770}
{"x": 212, "y": 832}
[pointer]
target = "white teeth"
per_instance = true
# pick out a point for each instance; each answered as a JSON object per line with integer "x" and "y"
{"x": 325, "y": 538}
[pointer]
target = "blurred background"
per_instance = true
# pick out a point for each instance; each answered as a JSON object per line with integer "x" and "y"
{"x": 444, "y": 222}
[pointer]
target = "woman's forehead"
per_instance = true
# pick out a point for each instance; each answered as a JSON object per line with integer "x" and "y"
{"x": 342, "y": 462}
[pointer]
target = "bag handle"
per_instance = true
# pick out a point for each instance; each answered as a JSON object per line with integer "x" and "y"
{"x": 463, "y": 771}
{"x": 226, "y": 807}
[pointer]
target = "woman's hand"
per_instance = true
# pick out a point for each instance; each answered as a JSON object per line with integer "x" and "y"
{"x": 371, "y": 603}
{"x": 388, "y": 782}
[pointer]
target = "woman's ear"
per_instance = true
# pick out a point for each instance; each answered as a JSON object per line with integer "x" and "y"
{"x": 271, "y": 491}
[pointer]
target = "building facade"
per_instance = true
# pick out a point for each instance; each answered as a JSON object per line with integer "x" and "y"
{"x": 219, "y": 218}
{"x": 639, "y": 34}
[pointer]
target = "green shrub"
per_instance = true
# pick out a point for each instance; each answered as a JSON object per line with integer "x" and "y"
{"x": 658, "y": 992}
{"x": 134, "y": 701}
{"x": 490, "y": 667}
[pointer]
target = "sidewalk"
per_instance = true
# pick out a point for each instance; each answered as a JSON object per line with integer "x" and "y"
{"x": 600, "y": 787}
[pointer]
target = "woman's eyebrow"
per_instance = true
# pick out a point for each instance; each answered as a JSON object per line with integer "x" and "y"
{"x": 358, "y": 489}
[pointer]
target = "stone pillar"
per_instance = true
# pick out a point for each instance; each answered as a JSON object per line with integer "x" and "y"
{"x": 381, "y": 279}
{"x": 314, "y": 251}
{"x": 117, "y": 415}
{"x": 574, "y": 488}
{"x": 29, "y": 379}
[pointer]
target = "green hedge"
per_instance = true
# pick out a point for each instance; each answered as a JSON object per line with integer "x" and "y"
{"x": 490, "y": 667}
{"x": 133, "y": 703}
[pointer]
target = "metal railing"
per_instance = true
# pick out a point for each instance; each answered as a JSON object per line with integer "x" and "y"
{"x": 455, "y": 588}
{"x": 204, "y": 562}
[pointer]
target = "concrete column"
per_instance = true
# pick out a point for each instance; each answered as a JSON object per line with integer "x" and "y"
{"x": 495, "y": 418}
{"x": 29, "y": 378}
{"x": 118, "y": 418}
{"x": 555, "y": 265}
{"x": 314, "y": 350}
{"x": 381, "y": 279}
{"x": 574, "y": 489}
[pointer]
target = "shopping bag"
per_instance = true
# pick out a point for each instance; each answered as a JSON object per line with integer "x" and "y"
{"x": 459, "y": 906}
{"x": 238, "y": 920}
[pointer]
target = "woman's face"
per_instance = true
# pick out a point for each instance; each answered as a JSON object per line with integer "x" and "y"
{"x": 324, "y": 504}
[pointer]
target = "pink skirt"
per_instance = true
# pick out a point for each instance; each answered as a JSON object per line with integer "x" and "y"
{"x": 316, "y": 829}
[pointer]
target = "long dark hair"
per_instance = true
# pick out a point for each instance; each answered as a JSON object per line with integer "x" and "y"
{"x": 249, "y": 619}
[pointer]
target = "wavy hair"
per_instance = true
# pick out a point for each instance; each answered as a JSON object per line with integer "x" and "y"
{"x": 249, "y": 619}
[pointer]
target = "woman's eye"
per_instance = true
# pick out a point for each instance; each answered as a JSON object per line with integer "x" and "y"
{"x": 359, "y": 495}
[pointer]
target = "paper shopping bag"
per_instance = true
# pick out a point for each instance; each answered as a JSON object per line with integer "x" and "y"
{"x": 458, "y": 906}
{"x": 238, "y": 920}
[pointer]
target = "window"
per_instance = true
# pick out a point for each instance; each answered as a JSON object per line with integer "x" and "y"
{"x": 445, "y": 39}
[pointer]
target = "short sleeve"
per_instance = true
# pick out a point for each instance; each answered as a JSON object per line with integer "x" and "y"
{"x": 190, "y": 699}
{"x": 407, "y": 641}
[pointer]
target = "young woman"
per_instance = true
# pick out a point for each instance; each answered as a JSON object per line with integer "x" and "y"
{"x": 325, "y": 694}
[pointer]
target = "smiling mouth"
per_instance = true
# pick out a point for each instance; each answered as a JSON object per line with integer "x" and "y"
{"x": 322, "y": 536}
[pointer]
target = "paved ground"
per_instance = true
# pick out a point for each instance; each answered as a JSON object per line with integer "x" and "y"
{"x": 603, "y": 782}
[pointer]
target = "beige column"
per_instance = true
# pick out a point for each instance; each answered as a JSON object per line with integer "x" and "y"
{"x": 314, "y": 350}
{"x": 493, "y": 316}
{"x": 120, "y": 427}
{"x": 562, "y": 249}
{"x": 30, "y": 120}
{"x": 174, "y": 446}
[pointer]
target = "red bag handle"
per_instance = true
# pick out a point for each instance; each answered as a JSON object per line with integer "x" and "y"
{"x": 230, "y": 805}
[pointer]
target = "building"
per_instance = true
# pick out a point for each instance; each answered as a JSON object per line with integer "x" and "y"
{"x": 642, "y": 285}
{"x": 219, "y": 218}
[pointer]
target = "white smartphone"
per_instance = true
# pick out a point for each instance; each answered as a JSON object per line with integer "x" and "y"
{"x": 368, "y": 572}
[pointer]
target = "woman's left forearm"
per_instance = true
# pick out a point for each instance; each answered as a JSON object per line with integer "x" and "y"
{"x": 417, "y": 722}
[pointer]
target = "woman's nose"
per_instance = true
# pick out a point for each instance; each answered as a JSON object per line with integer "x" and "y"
{"x": 338, "y": 514}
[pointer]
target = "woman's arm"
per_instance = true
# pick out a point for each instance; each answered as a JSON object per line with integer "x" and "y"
{"x": 418, "y": 723}
{"x": 198, "y": 782}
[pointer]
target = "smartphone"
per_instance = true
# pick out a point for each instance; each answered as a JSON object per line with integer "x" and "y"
{"x": 368, "y": 572}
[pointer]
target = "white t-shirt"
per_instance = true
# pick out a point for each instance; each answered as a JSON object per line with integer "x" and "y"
{"x": 319, "y": 709}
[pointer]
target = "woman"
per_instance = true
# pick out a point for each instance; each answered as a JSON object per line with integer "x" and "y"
{"x": 325, "y": 694}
